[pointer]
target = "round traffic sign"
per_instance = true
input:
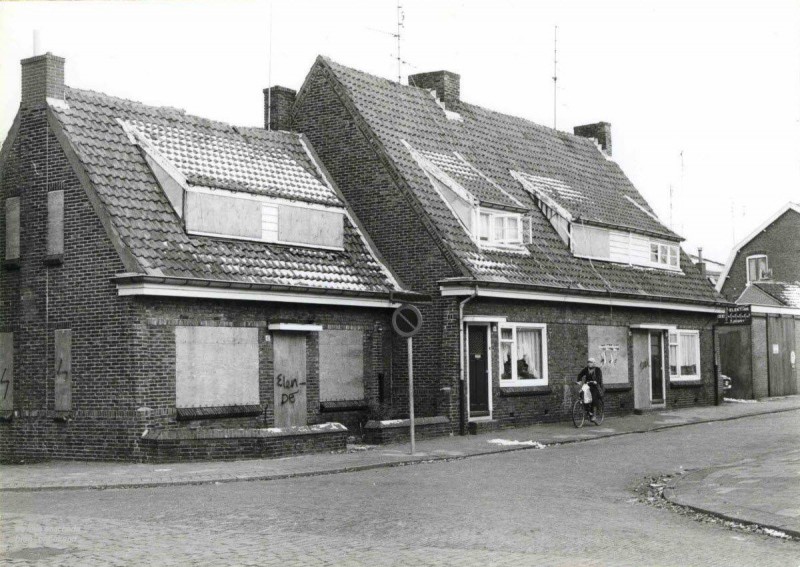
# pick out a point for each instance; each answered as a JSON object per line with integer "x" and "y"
{"x": 407, "y": 320}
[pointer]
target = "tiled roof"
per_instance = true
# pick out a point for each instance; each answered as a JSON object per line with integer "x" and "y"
{"x": 787, "y": 293}
{"x": 213, "y": 154}
{"x": 497, "y": 144}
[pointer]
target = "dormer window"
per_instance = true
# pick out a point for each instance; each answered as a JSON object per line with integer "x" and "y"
{"x": 758, "y": 268}
{"x": 499, "y": 228}
{"x": 664, "y": 254}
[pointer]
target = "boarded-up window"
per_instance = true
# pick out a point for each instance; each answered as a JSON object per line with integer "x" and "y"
{"x": 12, "y": 228}
{"x": 590, "y": 241}
{"x": 341, "y": 365}
{"x": 216, "y": 366}
{"x": 609, "y": 347}
{"x": 252, "y": 219}
{"x": 6, "y": 371}
{"x": 63, "y": 369}
{"x": 55, "y": 223}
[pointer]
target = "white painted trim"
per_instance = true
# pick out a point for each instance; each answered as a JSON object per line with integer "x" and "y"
{"x": 645, "y": 211}
{"x": 265, "y": 199}
{"x": 515, "y": 382}
{"x": 293, "y": 327}
{"x": 484, "y": 319}
{"x": 774, "y": 310}
{"x": 492, "y": 183}
{"x": 488, "y": 370}
{"x": 564, "y": 298}
{"x": 190, "y": 291}
{"x": 735, "y": 251}
{"x": 692, "y": 377}
{"x": 654, "y": 326}
{"x": 549, "y": 201}
{"x": 747, "y": 266}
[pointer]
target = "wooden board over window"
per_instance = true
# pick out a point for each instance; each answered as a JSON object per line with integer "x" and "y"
{"x": 63, "y": 370}
{"x": 216, "y": 366}
{"x": 341, "y": 365}
{"x": 12, "y": 228}
{"x": 609, "y": 347}
{"x": 6, "y": 371}
{"x": 55, "y": 223}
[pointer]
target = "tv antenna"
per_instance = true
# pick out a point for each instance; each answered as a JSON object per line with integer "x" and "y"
{"x": 400, "y": 18}
{"x": 269, "y": 74}
{"x": 555, "y": 74}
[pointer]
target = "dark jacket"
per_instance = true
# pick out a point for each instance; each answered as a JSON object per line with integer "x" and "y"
{"x": 594, "y": 374}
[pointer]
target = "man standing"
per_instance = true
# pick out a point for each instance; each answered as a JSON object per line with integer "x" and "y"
{"x": 593, "y": 376}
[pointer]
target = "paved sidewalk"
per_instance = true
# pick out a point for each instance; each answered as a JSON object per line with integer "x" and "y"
{"x": 59, "y": 475}
{"x": 763, "y": 491}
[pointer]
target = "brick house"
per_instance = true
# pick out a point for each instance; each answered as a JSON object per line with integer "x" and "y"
{"x": 763, "y": 271}
{"x": 537, "y": 250}
{"x": 175, "y": 287}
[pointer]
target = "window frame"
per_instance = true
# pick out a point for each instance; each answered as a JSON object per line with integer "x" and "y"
{"x": 665, "y": 253}
{"x": 747, "y": 266}
{"x": 493, "y": 217}
{"x": 679, "y": 377}
{"x": 515, "y": 382}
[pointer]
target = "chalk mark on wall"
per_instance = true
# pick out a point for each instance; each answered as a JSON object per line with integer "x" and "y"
{"x": 293, "y": 385}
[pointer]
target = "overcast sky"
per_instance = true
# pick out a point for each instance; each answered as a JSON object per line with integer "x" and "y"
{"x": 718, "y": 82}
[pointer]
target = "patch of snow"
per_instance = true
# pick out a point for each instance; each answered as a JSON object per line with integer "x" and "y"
{"x": 776, "y": 533}
{"x": 513, "y": 443}
{"x": 737, "y": 401}
{"x": 392, "y": 421}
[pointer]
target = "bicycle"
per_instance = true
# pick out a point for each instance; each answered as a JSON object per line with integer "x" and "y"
{"x": 580, "y": 414}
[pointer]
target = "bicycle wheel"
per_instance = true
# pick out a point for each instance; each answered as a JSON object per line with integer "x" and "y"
{"x": 599, "y": 412}
{"x": 578, "y": 414}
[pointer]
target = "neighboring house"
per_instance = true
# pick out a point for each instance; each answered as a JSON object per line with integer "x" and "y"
{"x": 536, "y": 248}
{"x": 763, "y": 271}
{"x": 175, "y": 287}
{"x": 712, "y": 268}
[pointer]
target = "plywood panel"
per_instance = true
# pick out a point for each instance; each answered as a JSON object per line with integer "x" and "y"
{"x": 223, "y": 215}
{"x": 290, "y": 379}
{"x": 341, "y": 365}
{"x": 780, "y": 333}
{"x": 7, "y": 371}
{"x": 216, "y": 366}
{"x": 55, "y": 223}
{"x": 609, "y": 347}
{"x": 590, "y": 241}
{"x": 619, "y": 246}
{"x": 310, "y": 226}
{"x": 641, "y": 370}
{"x": 63, "y": 369}
{"x": 12, "y": 228}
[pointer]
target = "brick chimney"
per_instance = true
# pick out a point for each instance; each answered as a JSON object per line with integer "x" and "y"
{"x": 446, "y": 84}
{"x": 279, "y": 117}
{"x": 600, "y": 132}
{"x": 42, "y": 78}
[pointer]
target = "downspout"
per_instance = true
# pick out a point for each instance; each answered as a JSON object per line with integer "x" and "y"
{"x": 462, "y": 388}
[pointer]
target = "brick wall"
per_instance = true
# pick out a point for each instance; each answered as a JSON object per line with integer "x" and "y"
{"x": 38, "y": 299}
{"x": 781, "y": 243}
{"x": 387, "y": 213}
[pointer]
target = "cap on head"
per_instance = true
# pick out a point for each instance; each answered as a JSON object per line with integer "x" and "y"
{"x": 592, "y": 361}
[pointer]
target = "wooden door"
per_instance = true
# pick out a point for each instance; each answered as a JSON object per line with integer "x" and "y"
{"x": 641, "y": 370}
{"x": 657, "y": 368}
{"x": 780, "y": 343}
{"x": 290, "y": 379}
{"x": 478, "y": 371}
{"x": 735, "y": 360}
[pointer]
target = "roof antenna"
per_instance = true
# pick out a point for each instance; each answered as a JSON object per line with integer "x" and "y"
{"x": 269, "y": 74}
{"x": 37, "y": 43}
{"x": 555, "y": 73}
{"x": 672, "y": 226}
{"x": 400, "y": 18}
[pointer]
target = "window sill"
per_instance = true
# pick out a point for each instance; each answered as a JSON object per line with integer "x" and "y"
{"x": 693, "y": 383}
{"x": 12, "y": 264}
{"x": 617, "y": 387}
{"x": 54, "y": 259}
{"x": 217, "y": 412}
{"x": 347, "y": 405}
{"x": 525, "y": 390}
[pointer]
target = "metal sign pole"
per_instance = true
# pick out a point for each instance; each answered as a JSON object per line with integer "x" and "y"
{"x": 411, "y": 389}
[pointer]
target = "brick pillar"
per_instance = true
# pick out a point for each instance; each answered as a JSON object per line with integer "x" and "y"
{"x": 278, "y": 102}
{"x": 42, "y": 78}
{"x": 446, "y": 84}
{"x": 600, "y": 132}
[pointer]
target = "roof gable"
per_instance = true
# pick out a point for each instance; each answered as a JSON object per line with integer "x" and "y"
{"x": 496, "y": 145}
{"x": 208, "y": 153}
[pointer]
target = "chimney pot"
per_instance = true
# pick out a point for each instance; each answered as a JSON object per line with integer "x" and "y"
{"x": 600, "y": 131}
{"x": 279, "y": 116}
{"x": 446, "y": 84}
{"x": 42, "y": 78}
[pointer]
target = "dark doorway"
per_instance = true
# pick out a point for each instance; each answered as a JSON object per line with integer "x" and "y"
{"x": 478, "y": 371}
{"x": 656, "y": 368}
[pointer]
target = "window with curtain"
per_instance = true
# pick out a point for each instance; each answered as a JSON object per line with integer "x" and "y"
{"x": 523, "y": 354}
{"x": 757, "y": 268}
{"x": 684, "y": 355}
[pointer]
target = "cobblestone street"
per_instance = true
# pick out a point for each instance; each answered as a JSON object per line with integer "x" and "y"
{"x": 563, "y": 505}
